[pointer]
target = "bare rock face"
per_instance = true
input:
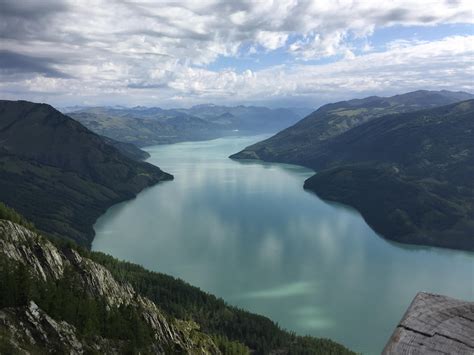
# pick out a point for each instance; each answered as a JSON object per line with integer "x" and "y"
{"x": 31, "y": 326}
{"x": 22, "y": 245}
{"x": 434, "y": 324}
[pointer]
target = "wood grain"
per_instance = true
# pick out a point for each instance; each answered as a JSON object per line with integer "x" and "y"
{"x": 434, "y": 324}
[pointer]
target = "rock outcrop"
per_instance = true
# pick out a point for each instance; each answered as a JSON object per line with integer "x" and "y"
{"x": 26, "y": 328}
{"x": 29, "y": 329}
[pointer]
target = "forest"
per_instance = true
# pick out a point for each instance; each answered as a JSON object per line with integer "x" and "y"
{"x": 233, "y": 330}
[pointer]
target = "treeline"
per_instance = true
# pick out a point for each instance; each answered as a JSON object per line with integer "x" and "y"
{"x": 233, "y": 330}
{"x": 214, "y": 316}
{"x": 65, "y": 300}
{"x": 11, "y": 215}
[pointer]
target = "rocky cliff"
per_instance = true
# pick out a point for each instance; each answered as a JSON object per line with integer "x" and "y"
{"x": 27, "y": 328}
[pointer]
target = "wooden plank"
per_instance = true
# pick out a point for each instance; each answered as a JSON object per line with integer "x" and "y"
{"x": 434, "y": 324}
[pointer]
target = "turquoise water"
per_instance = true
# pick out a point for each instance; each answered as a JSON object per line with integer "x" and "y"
{"x": 249, "y": 233}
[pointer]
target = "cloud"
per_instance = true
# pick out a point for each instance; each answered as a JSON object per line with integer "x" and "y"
{"x": 149, "y": 51}
{"x": 14, "y": 63}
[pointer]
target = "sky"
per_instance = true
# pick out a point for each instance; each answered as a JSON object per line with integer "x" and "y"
{"x": 275, "y": 53}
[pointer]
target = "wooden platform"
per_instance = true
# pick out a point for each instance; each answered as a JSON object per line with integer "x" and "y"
{"x": 434, "y": 324}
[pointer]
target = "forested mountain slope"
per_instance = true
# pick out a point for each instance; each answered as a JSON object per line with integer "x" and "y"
{"x": 409, "y": 172}
{"x": 61, "y": 175}
{"x": 58, "y": 297}
{"x": 411, "y": 175}
{"x": 297, "y": 144}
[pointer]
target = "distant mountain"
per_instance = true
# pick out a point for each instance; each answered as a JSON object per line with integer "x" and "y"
{"x": 253, "y": 119}
{"x": 410, "y": 174}
{"x": 59, "y": 174}
{"x": 145, "y": 126}
{"x": 297, "y": 144}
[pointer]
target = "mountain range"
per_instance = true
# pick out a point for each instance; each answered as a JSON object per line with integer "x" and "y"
{"x": 59, "y": 297}
{"x": 404, "y": 162}
{"x": 145, "y": 126}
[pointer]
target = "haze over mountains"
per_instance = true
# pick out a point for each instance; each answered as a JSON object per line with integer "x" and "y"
{"x": 406, "y": 166}
{"x": 145, "y": 126}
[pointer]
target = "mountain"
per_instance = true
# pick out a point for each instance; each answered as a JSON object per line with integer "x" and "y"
{"x": 144, "y": 126}
{"x": 252, "y": 119}
{"x": 56, "y": 297}
{"x": 409, "y": 174}
{"x": 128, "y": 149}
{"x": 61, "y": 175}
{"x": 298, "y": 143}
{"x": 67, "y": 304}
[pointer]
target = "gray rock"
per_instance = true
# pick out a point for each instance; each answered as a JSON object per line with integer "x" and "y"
{"x": 31, "y": 328}
{"x": 434, "y": 324}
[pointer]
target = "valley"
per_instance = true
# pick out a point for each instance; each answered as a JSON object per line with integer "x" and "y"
{"x": 248, "y": 232}
{"x": 289, "y": 253}
{"x": 145, "y": 126}
{"x": 236, "y": 177}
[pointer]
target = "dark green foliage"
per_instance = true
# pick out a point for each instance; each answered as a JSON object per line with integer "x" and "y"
{"x": 234, "y": 330}
{"x": 410, "y": 172}
{"x": 228, "y": 347}
{"x": 128, "y": 149}
{"x": 410, "y": 175}
{"x": 404, "y": 210}
{"x": 65, "y": 300}
{"x": 214, "y": 316}
{"x": 59, "y": 174}
{"x": 11, "y": 215}
{"x": 300, "y": 143}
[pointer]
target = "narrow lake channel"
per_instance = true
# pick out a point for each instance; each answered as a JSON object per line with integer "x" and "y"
{"x": 249, "y": 233}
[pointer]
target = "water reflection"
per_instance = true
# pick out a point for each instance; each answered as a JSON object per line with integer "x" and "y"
{"x": 249, "y": 233}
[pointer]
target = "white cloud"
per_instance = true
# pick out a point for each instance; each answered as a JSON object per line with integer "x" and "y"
{"x": 271, "y": 40}
{"x": 152, "y": 50}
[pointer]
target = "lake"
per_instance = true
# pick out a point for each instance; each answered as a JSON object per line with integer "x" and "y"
{"x": 249, "y": 233}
